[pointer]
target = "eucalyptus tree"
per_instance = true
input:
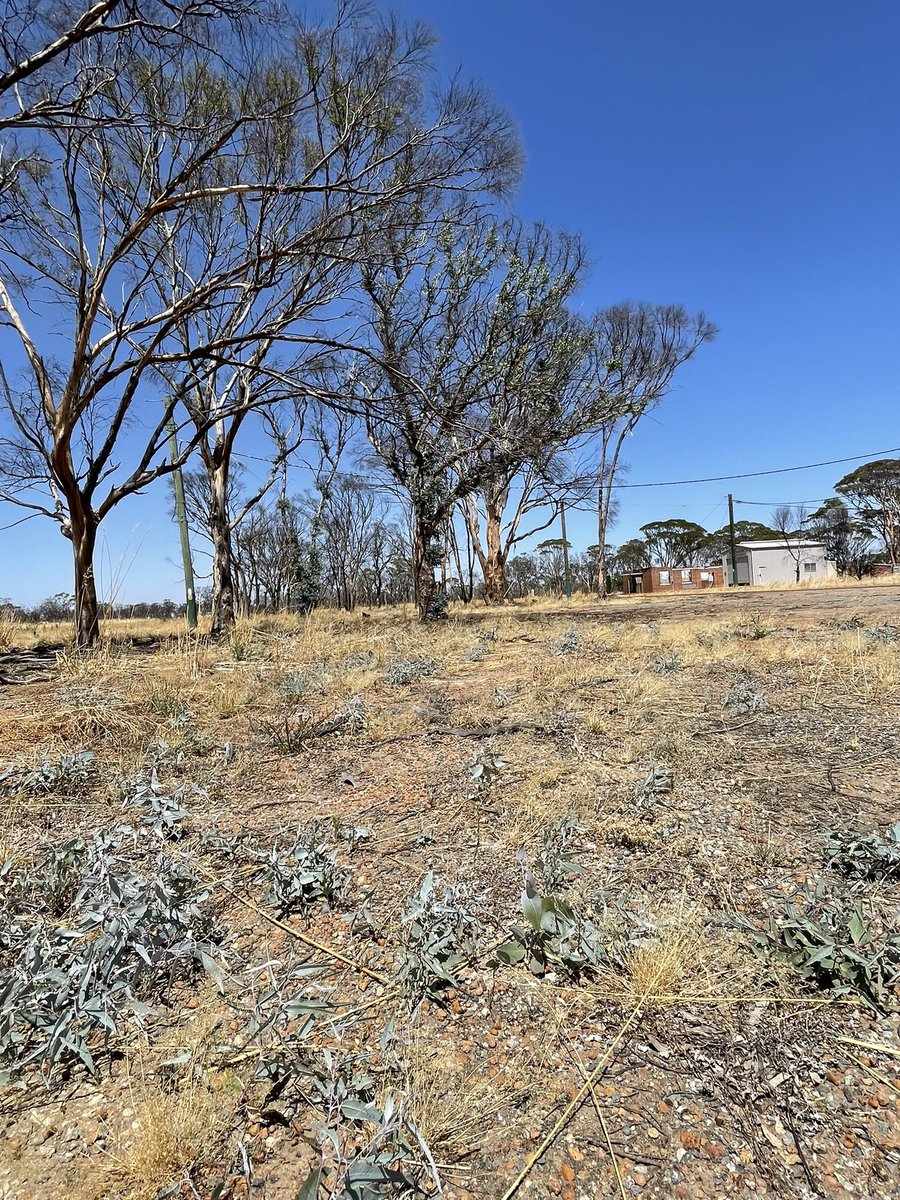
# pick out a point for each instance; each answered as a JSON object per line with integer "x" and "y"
{"x": 468, "y": 366}
{"x": 848, "y": 542}
{"x": 533, "y": 398}
{"x": 42, "y": 76}
{"x": 676, "y": 543}
{"x": 636, "y": 350}
{"x": 320, "y": 131}
{"x": 873, "y": 492}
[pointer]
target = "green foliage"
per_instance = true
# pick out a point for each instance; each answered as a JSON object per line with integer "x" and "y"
{"x": 674, "y": 543}
{"x": 668, "y": 664}
{"x": 484, "y": 770}
{"x": 744, "y": 697}
{"x": 161, "y": 811}
{"x": 67, "y": 775}
{"x": 555, "y": 936}
{"x": 304, "y": 873}
{"x": 871, "y": 856}
{"x": 834, "y": 946}
{"x": 441, "y": 932}
{"x": 88, "y": 940}
{"x": 570, "y": 644}
{"x": 559, "y": 858}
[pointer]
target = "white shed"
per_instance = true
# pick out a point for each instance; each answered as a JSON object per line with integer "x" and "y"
{"x": 779, "y": 561}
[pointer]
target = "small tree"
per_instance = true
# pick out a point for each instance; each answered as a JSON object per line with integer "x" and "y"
{"x": 848, "y": 543}
{"x": 637, "y": 348}
{"x": 788, "y": 521}
{"x": 456, "y": 401}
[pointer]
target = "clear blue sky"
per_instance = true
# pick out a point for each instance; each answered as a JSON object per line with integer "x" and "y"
{"x": 738, "y": 158}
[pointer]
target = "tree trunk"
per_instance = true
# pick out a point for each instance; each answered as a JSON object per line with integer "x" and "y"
{"x": 430, "y": 600}
{"x": 223, "y": 614}
{"x": 494, "y": 563}
{"x": 83, "y": 532}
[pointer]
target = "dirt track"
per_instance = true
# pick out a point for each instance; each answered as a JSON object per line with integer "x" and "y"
{"x": 804, "y": 605}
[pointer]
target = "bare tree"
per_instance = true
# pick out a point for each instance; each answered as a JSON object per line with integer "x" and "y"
{"x": 97, "y": 205}
{"x": 636, "y": 351}
{"x": 41, "y": 76}
{"x": 788, "y": 520}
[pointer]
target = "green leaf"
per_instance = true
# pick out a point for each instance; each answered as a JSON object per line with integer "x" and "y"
{"x": 309, "y": 1189}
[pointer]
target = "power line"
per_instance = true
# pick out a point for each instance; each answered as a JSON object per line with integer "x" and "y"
{"x": 831, "y": 462}
{"x": 776, "y": 503}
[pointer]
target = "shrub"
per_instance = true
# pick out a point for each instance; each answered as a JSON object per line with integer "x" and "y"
{"x": 441, "y": 932}
{"x": 555, "y": 935}
{"x": 304, "y": 873}
{"x": 872, "y": 856}
{"x": 404, "y": 671}
{"x": 87, "y": 939}
{"x": 837, "y": 948}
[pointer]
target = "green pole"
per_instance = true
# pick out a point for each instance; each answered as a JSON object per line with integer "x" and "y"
{"x": 181, "y": 517}
{"x": 565, "y": 550}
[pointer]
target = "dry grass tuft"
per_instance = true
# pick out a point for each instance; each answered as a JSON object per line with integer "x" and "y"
{"x": 659, "y": 968}
{"x": 174, "y": 1135}
{"x": 450, "y": 1103}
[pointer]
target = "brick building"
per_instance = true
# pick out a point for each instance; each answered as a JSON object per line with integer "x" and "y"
{"x": 673, "y": 579}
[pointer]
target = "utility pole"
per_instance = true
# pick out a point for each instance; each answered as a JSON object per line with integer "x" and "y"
{"x": 567, "y": 576}
{"x": 181, "y": 517}
{"x": 731, "y": 538}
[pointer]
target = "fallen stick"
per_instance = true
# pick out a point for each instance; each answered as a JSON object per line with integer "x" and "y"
{"x": 295, "y": 933}
{"x": 480, "y": 731}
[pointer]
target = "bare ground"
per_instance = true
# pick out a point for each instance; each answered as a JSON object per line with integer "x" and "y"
{"x": 667, "y": 767}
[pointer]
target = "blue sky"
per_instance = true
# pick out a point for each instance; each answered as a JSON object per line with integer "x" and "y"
{"x": 741, "y": 159}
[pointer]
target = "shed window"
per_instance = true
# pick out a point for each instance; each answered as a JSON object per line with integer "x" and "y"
{"x": 664, "y": 579}
{"x": 809, "y": 568}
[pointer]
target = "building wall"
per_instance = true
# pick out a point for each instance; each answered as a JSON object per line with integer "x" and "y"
{"x": 778, "y": 565}
{"x": 681, "y": 579}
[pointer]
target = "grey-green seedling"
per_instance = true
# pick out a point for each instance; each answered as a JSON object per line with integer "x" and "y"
{"x": 744, "y": 697}
{"x": 484, "y": 770}
{"x": 555, "y": 936}
{"x": 835, "y": 946}
{"x": 63, "y": 776}
{"x": 305, "y": 873}
{"x": 659, "y": 782}
{"x": 113, "y": 939}
{"x": 410, "y": 670}
{"x": 873, "y": 857}
{"x": 570, "y": 644}
{"x": 440, "y": 932}
{"x": 559, "y": 854}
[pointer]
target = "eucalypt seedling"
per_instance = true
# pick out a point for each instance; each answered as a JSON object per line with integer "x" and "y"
{"x": 838, "y": 948}
{"x": 555, "y": 936}
{"x": 484, "y": 770}
{"x": 441, "y": 934}
{"x": 871, "y": 856}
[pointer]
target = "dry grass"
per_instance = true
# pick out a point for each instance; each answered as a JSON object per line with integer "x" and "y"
{"x": 450, "y": 1101}
{"x": 174, "y": 1135}
{"x": 662, "y": 967}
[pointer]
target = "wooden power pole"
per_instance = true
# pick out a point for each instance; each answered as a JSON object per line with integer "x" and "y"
{"x": 733, "y": 541}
